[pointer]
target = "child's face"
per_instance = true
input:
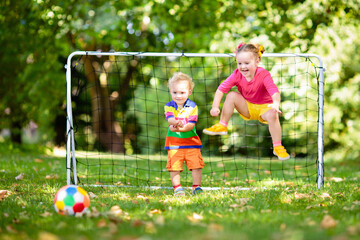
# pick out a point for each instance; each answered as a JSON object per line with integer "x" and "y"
{"x": 180, "y": 91}
{"x": 247, "y": 64}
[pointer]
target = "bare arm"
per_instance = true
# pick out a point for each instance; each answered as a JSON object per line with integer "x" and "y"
{"x": 276, "y": 102}
{"x": 215, "y": 110}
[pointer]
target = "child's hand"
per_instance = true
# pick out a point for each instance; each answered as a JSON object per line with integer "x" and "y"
{"x": 180, "y": 124}
{"x": 173, "y": 128}
{"x": 214, "y": 112}
{"x": 276, "y": 107}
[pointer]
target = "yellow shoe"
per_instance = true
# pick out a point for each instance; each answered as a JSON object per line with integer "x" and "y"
{"x": 217, "y": 129}
{"x": 281, "y": 153}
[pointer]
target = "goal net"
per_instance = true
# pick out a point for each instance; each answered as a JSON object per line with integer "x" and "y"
{"x": 116, "y": 126}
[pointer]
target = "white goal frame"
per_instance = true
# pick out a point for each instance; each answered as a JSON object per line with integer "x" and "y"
{"x": 70, "y": 142}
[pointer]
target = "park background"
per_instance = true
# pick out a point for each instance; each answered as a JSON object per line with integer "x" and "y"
{"x": 37, "y": 36}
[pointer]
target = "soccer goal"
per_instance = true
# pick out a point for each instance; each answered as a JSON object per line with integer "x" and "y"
{"x": 116, "y": 125}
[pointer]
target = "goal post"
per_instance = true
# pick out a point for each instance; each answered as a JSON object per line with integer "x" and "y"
{"x": 116, "y": 126}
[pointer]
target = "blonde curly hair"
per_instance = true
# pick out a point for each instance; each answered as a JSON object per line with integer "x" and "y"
{"x": 179, "y": 76}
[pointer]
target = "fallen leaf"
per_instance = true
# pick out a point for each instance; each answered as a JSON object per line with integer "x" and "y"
{"x": 160, "y": 220}
{"x": 215, "y": 227}
{"x": 38, "y": 160}
{"x": 116, "y": 211}
{"x": 92, "y": 195}
{"x": 137, "y": 223}
{"x": 282, "y": 227}
{"x": 328, "y": 222}
{"x": 150, "y": 227}
{"x": 155, "y": 211}
{"x": 47, "y": 236}
{"x": 93, "y": 213}
{"x": 249, "y": 181}
{"x": 353, "y": 230}
{"x": 336, "y": 179}
{"x": 102, "y": 204}
{"x": 20, "y": 176}
{"x": 310, "y": 222}
{"x": 243, "y": 201}
{"x": 101, "y": 223}
{"x": 46, "y": 214}
{"x": 11, "y": 229}
{"x": 289, "y": 183}
{"x": 140, "y": 197}
{"x": 4, "y": 194}
{"x": 325, "y": 195}
{"x": 195, "y": 218}
{"x": 114, "y": 219}
{"x": 51, "y": 176}
{"x": 300, "y": 195}
{"x": 236, "y": 205}
{"x": 266, "y": 211}
{"x": 16, "y": 220}
{"x": 342, "y": 194}
{"x": 128, "y": 238}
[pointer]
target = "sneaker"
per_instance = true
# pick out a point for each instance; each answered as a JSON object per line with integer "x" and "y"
{"x": 179, "y": 192}
{"x": 197, "y": 190}
{"x": 281, "y": 153}
{"x": 217, "y": 129}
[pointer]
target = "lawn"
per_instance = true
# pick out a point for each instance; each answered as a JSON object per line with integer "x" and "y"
{"x": 29, "y": 179}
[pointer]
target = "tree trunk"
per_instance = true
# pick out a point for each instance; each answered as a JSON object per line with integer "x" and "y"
{"x": 106, "y": 129}
{"x": 15, "y": 131}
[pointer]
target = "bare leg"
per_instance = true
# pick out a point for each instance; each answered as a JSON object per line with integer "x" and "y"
{"x": 272, "y": 117}
{"x": 175, "y": 178}
{"x": 196, "y": 175}
{"x": 234, "y": 100}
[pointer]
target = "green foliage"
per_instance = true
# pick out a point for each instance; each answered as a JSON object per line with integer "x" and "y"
{"x": 37, "y": 36}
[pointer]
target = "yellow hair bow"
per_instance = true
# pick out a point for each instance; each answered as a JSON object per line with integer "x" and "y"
{"x": 260, "y": 49}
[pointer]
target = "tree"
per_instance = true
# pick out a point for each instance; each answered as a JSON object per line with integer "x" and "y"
{"x": 30, "y": 67}
{"x": 39, "y": 35}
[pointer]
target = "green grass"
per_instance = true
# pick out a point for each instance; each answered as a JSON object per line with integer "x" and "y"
{"x": 270, "y": 210}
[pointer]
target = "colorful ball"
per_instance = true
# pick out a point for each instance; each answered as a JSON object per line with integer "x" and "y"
{"x": 70, "y": 200}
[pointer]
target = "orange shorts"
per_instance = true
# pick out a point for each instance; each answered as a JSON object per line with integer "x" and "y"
{"x": 191, "y": 156}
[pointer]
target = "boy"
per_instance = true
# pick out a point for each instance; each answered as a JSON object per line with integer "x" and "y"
{"x": 182, "y": 141}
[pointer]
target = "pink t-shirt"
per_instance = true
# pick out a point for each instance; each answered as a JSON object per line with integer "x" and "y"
{"x": 259, "y": 90}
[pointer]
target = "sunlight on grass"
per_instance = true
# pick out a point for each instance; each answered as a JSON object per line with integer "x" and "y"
{"x": 272, "y": 208}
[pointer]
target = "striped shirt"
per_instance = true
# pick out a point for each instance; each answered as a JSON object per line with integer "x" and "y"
{"x": 259, "y": 90}
{"x": 188, "y": 114}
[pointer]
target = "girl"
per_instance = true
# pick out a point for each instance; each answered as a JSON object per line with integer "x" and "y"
{"x": 258, "y": 97}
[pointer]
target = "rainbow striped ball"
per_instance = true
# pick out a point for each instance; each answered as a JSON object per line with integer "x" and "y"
{"x": 70, "y": 200}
